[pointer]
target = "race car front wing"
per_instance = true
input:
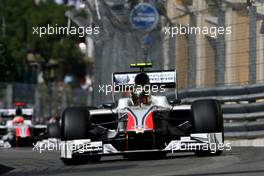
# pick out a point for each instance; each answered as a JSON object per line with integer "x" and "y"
{"x": 194, "y": 142}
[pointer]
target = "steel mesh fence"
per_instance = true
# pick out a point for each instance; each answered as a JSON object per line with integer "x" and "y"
{"x": 46, "y": 101}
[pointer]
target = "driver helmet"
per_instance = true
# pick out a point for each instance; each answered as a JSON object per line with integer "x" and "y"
{"x": 18, "y": 118}
{"x": 18, "y": 112}
{"x": 141, "y": 93}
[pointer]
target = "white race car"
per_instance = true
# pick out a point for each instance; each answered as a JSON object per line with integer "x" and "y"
{"x": 141, "y": 123}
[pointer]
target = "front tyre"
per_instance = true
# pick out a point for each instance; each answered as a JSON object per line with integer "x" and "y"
{"x": 207, "y": 117}
{"x": 81, "y": 160}
{"x": 75, "y": 125}
{"x": 75, "y": 160}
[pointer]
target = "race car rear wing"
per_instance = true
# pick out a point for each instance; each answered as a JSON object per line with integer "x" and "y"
{"x": 9, "y": 113}
{"x": 165, "y": 78}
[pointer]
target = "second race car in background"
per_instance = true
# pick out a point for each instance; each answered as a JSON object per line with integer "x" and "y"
{"x": 17, "y": 128}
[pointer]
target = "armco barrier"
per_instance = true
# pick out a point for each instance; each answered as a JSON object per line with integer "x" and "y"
{"x": 243, "y": 107}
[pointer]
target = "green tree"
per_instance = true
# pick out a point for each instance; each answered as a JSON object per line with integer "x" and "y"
{"x": 20, "y": 18}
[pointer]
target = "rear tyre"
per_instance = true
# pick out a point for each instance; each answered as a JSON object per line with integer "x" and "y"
{"x": 207, "y": 117}
{"x": 54, "y": 131}
{"x": 75, "y": 125}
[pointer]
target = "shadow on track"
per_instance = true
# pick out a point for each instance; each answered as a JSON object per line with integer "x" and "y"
{"x": 225, "y": 173}
{"x": 4, "y": 169}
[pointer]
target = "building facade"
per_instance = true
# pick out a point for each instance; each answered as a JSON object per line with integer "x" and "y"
{"x": 232, "y": 58}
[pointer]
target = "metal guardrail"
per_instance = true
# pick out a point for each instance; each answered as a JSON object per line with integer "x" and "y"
{"x": 243, "y": 108}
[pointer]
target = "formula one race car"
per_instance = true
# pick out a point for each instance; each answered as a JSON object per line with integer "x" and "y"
{"x": 16, "y": 126}
{"x": 143, "y": 123}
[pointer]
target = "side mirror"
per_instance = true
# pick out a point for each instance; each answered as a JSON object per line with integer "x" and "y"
{"x": 175, "y": 101}
{"x": 108, "y": 105}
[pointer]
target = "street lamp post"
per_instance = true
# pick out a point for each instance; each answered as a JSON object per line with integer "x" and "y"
{"x": 49, "y": 77}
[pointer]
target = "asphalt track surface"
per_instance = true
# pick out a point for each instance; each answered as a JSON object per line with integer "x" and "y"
{"x": 245, "y": 161}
